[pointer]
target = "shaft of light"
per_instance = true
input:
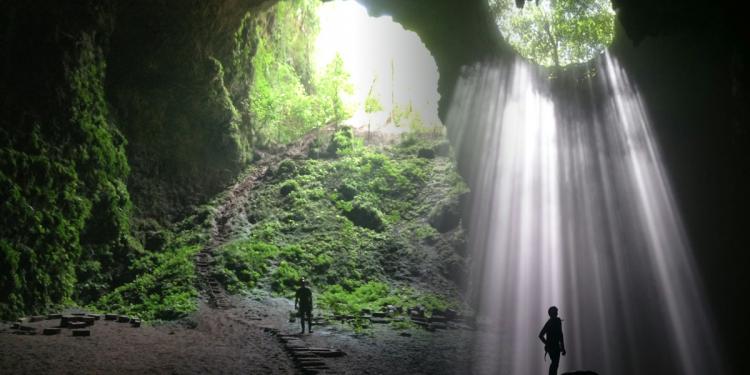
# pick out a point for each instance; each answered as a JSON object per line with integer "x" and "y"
{"x": 572, "y": 207}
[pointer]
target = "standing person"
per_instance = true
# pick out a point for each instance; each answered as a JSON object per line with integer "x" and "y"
{"x": 303, "y": 299}
{"x": 552, "y": 337}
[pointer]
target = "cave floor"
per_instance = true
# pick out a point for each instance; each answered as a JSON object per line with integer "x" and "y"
{"x": 239, "y": 340}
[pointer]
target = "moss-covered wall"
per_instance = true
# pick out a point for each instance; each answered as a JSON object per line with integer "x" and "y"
{"x": 178, "y": 77}
{"x": 65, "y": 214}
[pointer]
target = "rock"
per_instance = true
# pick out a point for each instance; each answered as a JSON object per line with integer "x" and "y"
{"x": 450, "y": 314}
{"x": 110, "y": 317}
{"x": 94, "y": 316}
{"x": 426, "y": 153}
{"x": 437, "y": 325}
{"x": 37, "y": 318}
{"x": 365, "y": 216}
{"x": 135, "y": 323}
{"x": 123, "y": 319}
{"x": 51, "y": 331}
{"x": 405, "y": 334}
{"x": 76, "y": 325}
{"x": 379, "y": 314}
{"x": 24, "y": 328}
{"x": 380, "y": 320}
{"x": 445, "y": 216}
{"x": 581, "y": 373}
{"x": 437, "y": 319}
{"x": 54, "y": 316}
{"x": 81, "y": 332}
{"x": 442, "y": 149}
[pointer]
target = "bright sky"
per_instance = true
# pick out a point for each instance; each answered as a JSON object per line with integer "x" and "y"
{"x": 368, "y": 46}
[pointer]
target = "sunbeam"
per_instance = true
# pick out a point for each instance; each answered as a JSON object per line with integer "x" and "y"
{"x": 572, "y": 207}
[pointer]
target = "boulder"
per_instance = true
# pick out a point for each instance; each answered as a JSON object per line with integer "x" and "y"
{"x": 445, "y": 216}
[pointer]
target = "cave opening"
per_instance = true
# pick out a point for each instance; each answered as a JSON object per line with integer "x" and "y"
{"x": 394, "y": 77}
{"x": 556, "y": 33}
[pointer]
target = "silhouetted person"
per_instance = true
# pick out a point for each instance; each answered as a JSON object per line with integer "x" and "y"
{"x": 303, "y": 299}
{"x": 552, "y": 337}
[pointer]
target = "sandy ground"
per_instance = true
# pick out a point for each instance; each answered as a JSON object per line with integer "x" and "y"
{"x": 234, "y": 341}
{"x": 219, "y": 344}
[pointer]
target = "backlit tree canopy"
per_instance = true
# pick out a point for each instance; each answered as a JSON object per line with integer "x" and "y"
{"x": 556, "y": 32}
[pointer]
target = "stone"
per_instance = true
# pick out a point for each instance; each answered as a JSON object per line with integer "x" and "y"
{"x": 380, "y": 320}
{"x": 379, "y": 314}
{"x": 94, "y": 316}
{"x": 76, "y": 325}
{"x": 426, "y": 153}
{"x": 54, "y": 316}
{"x": 37, "y": 318}
{"x": 110, "y": 317}
{"x": 26, "y": 328}
{"x": 405, "y": 334}
{"x": 580, "y": 373}
{"x": 135, "y": 323}
{"x": 81, "y": 333}
{"x": 437, "y": 325}
{"x": 123, "y": 319}
{"x": 450, "y": 314}
{"x": 437, "y": 319}
{"x": 50, "y": 331}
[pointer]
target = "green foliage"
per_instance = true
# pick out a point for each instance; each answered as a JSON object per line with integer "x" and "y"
{"x": 243, "y": 264}
{"x": 65, "y": 215}
{"x": 375, "y": 295}
{"x": 309, "y": 221}
{"x": 556, "y": 32}
{"x": 288, "y": 187}
{"x": 164, "y": 288}
{"x": 287, "y": 99}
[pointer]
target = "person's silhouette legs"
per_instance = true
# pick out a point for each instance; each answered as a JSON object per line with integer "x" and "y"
{"x": 554, "y": 356}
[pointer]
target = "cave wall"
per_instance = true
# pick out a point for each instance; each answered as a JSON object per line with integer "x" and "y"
{"x": 177, "y": 80}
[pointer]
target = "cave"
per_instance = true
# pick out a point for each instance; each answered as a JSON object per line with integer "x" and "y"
{"x": 170, "y": 170}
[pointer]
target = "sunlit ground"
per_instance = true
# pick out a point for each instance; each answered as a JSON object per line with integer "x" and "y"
{"x": 384, "y": 60}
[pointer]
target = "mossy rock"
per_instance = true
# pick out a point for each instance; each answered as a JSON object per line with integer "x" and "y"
{"x": 445, "y": 216}
{"x": 347, "y": 192}
{"x": 286, "y": 168}
{"x": 426, "y": 153}
{"x": 366, "y": 216}
{"x": 341, "y": 140}
{"x": 288, "y": 187}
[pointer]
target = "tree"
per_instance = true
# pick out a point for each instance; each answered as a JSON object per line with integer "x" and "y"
{"x": 556, "y": 32}
{"x": 287, "y": 98}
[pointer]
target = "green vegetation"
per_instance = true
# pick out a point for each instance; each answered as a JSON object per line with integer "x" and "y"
{"x": 65, "y": 214}
{"x": 356, "y": 224}
{"x": 375, "y": 295}
{"x": 556, "y": 32}
{"x": 163, "y": 285}
{"x": 287, "y": 98}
